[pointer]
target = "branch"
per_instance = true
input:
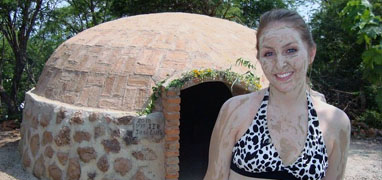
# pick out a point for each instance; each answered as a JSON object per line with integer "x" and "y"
{"x": 226, "y": 11}
{"x": 10, "y": 32}
{"x": 105, "y": 11}
{"x": 213, "y": 11}
{"x": 30, "y": 74}
{"x": 6, "y": 99}
{"x": 344, "y": 92}
{"x": 2, "y": 63}
{"x": 33, "y": 19}
{"x": 234, "y": 16}
{"x": 92, "y": 7}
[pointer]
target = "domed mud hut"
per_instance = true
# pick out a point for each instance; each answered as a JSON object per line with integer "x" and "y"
{"x": 135, "y": 98}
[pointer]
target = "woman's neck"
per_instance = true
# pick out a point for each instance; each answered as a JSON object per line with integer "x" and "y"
{"x": 293, "y": 98}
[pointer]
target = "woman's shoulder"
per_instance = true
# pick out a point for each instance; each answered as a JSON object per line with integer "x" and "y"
{"x": 335, "y": 118}
{"x": 242, "y": 100}
{"x": 237, "y": 110}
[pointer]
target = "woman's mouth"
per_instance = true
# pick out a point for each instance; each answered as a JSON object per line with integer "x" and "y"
{"x": 283, "y": 76}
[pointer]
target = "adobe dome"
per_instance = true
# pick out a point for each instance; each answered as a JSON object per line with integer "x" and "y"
{"x": 81, "y": 120}
{"x": 115, "y": 65}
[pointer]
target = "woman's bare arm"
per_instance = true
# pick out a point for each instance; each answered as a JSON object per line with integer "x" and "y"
{"x": 222, "y": 142}
{"x": 340, "y": 146}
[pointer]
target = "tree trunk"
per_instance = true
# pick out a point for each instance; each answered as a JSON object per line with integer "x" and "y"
{"x": 17, "y": 27}
{"x": 5, "y": 98}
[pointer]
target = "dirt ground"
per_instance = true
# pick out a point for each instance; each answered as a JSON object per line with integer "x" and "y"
{"x": 364, "y": 161}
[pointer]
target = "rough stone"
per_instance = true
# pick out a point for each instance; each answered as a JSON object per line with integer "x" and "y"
{"x": 62, "y": 157}
{"x": 27, "y": 114}
{"x": 80, "y": 136}
{"x": 39, "y": 167}
{"x": 140, "y": 175}
{"x": 76, "y": 119}
{"x": 83, "y": 59}
{"x": 93, "y": 117}
{"x": 35, "y": 144}
{"x": 60, "y": 116}
{"x": 91, "y": 175}
{"x": 47, "y": 138}
{"x": 73, "y": 171}
{"x": 26, "y": 159}
{"x": 29, "y": 133}
{"x": 122, "y": 165}
{"x": 63, "y": 137}
{"x": 111, "y": 145}
{"x": 108, "y": 119}
{"x": 86, "y": 153}
{"x": 115, "y": 133}
{"x": 34, "y": 122}
{"x": 49, "y": 152}
{"x": 55, "y": 172}
{"x": 125, "y": 120}
{"x": 129, "y": 139}
{"x": 103, "y": 163}
{"x": 44, "y": 120}
{"x": 145, "y": 154}
{"x": 99, "y": 131}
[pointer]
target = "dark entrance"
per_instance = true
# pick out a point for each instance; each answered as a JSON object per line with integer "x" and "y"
{"x": 200, "y": 106}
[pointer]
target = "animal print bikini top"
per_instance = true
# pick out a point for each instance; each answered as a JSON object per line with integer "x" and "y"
{"x": 254, "y": 155}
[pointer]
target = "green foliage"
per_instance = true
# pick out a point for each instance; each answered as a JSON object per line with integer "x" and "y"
{"x": 245, "y": 63}
{"x": 337, "y": 70}
{"x": 253, "y": 9}
{"x": 347, "y": 64}
{"x": 19, "y": 20}
{"x": 372, "y": 61}
{"x": 248, "y": 80}
{"x": 359, "y": 18}
{"x": 242, "y": 11}
{"x": 371, "y": 118}
{"x": 157, "y": 92}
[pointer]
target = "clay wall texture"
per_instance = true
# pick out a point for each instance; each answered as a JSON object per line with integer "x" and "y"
{"x": 114, "y": 65}
{"x": 81, "y": 121}
{"x": 67, "y": 142}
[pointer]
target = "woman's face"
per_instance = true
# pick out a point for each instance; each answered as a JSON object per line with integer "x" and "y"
{"x": 284, "y": 56}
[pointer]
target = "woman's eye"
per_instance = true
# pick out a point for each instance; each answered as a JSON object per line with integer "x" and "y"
{"x": 291, "y": 50}
{"x": 267, "y": 54}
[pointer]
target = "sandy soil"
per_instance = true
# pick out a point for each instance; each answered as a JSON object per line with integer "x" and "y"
{"x": 364, "y": 161}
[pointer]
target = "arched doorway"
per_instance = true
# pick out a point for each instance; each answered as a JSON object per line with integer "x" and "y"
{"x": 200, "y": 106}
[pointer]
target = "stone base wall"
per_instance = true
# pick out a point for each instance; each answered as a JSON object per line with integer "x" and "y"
{"x": 61, "y": 141}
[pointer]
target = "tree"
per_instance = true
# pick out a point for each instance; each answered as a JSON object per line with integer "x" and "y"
{"x": 17, "y": 23}
{"x": 32, "y": 29}
{"x": 359, "y": 19}
{"x": 253, "y": 9}
{"x": 242, "y": 11}
{"x": 338, "y": 67}
{"x": 79, "y": 15}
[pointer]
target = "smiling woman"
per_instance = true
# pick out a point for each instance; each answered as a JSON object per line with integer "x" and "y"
{"x": 280, "y": 132}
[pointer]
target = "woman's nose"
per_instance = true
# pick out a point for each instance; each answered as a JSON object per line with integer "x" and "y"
{"x": 281, "y": 62}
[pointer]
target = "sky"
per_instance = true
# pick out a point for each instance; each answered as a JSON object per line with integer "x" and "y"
{"x": 306, "y": 10}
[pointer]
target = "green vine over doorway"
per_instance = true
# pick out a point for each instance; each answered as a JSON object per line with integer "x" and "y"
{"x": 248, "y": 80}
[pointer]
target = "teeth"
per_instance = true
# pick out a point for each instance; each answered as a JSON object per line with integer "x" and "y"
{"x": 283, "y": 75}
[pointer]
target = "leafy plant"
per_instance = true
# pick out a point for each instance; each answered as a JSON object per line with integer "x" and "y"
{"x": 248, "y": 80}
{"x": 371, "y": 118}
{"x": 359, "y": 18}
